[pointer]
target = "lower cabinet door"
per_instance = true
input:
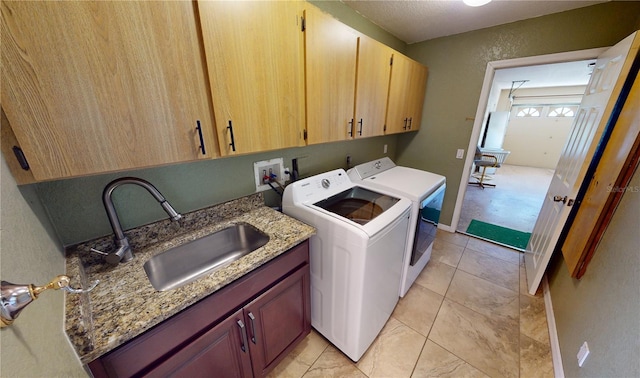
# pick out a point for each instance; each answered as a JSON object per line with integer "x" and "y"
{"x": 220, "y": 352}
{"x": 277, "y": 320}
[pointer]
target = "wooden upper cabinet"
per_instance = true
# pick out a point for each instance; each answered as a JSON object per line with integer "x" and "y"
{"x": 255, "y": 59}
{"x": 91, "y": 87}
{"x": 372, "y": 87}
{"x": 406, "y": 94}
{"x": 331, "y": 49}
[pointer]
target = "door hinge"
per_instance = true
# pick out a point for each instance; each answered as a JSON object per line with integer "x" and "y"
{"x": 384, "y": 128}
{"x": 22, "y": 160}
{"x": 303, "y": 22}
{"x": 391, "y": 61}
{"x": 304, "y": 134}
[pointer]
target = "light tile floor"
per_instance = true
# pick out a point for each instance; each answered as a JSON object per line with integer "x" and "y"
{"x": 467, "y": 315}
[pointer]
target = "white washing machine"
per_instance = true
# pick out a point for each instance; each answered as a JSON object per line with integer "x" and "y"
{"x": 426, "y": 192}
{"x": 356, "y": 255}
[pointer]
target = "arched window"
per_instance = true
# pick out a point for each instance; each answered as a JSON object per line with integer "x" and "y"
{"x": 562, "y": 111}
{"x": 528, "y": 112}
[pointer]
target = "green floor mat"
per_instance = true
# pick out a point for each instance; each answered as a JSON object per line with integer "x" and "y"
{"x": 503, "y": 235}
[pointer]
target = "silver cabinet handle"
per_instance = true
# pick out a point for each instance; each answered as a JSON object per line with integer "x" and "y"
{"x": 243, "y": 346}
{"x": 253, "y": 327}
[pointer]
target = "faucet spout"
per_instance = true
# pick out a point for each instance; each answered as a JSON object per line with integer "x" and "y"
{"x": 123, "y": 253}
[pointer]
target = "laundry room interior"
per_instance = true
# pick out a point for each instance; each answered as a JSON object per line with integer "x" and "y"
{"x": 314, "y": 195}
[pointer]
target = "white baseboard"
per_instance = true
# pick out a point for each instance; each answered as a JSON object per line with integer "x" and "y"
{"x": 558, "y": 370}
{"x": 445, "y": 227}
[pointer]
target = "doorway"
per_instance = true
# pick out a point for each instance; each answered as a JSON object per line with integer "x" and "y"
{"x": 530, "y": 111}
{"x": 498, "y": 76}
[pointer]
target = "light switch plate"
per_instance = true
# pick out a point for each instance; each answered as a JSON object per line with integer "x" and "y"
{"x": 583, "y": 353}
{"x": 460, "y": 153}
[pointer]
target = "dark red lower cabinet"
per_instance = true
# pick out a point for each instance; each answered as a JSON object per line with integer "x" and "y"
{"x": 270, "y": 315}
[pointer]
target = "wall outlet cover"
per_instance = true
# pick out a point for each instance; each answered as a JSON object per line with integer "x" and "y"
{"x": 262, "y": 168}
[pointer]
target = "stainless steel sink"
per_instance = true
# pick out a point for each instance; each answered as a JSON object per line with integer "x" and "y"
{"x": 185, "y": 263}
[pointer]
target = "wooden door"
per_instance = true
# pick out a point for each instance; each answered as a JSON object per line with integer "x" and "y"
{"x": 372, "y": 87}
{"x": 277, "y": 320}
{"x": 611, "y": 70}
{"x": 330, "y": 60}
{"x": 222, "y": 351}
{"x": 255, "y": 58}
{"x": 92, "y": 87}
{"x": 397, "y": 119}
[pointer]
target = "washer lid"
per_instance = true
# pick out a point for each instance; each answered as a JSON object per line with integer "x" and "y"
{"x": 412, "y": 183}
{"x": 358, "y": 204}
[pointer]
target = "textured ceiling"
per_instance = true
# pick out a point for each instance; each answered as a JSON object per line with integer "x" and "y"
{"x": 416, "y": 21}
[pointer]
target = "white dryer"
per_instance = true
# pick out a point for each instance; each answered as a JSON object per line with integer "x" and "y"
{"x": 426, "y": 192}
{"x": 356, "y": 255}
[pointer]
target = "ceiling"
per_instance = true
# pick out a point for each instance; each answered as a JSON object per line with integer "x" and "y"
{"x": 416, "y": 21}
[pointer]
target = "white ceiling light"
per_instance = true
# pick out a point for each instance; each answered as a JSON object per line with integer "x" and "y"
{"x": 476, "y": 3}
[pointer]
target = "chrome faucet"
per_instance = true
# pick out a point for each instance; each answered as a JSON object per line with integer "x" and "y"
{"x": 123, "y": 253}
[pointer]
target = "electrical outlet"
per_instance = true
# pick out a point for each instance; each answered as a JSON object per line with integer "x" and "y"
{"x": 384, "y": 149}
{"x": 266, "y": 168}
{"x": 583, "y": 353}
{"x": 460, "y": 153}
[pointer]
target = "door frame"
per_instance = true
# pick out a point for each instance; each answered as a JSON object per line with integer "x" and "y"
{"x": 479, "y": 120}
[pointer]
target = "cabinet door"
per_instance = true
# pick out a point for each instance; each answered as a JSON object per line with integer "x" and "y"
{"x": 406, "y": 94}
{"x": 416, "y": 94}
{"x": 255, "y": 58}
{"x": 330, "y": 59}
{"x": 372, "y": 87}
{"x": 397, "y": 118}
{"x": 92, "y": 87}
{"x": 277, "y": 320}
{"x": 221, "y": 351}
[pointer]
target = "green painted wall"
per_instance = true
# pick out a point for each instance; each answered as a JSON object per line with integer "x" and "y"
{"x": 603, "y": 307}
{"x": 75, "y": 205}
{"x": 456, "y": 72}
{"x": 353, "y": 19}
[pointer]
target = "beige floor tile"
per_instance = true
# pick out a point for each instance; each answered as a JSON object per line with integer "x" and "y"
{"x": 483, "y": 296}
{"x": 333, "y": 363}
{"x": 533, "y": 318}
{"x": 535, "y": 359}
{"x": 436, "y": 277}
{"x": 491, "y": 269}
{"x": 490, "y": 344}
{"x": 495, "y": 250}
{"x": 436, "y": 361}
{"x": 301, "y": 357}
{"x": 418, "y": 309}
{"x": 523, "y": 280}
{"x": 446, "y": 252}
{"x": 394, "y": 353}
{"x": 452, "y": 237}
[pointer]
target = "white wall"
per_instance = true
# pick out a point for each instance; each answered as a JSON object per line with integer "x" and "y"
{"x": 537, "y": 141}
{"x": 35, "y": 345}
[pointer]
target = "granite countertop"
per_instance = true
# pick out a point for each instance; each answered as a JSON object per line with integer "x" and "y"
{"x": 124, "y": 304}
